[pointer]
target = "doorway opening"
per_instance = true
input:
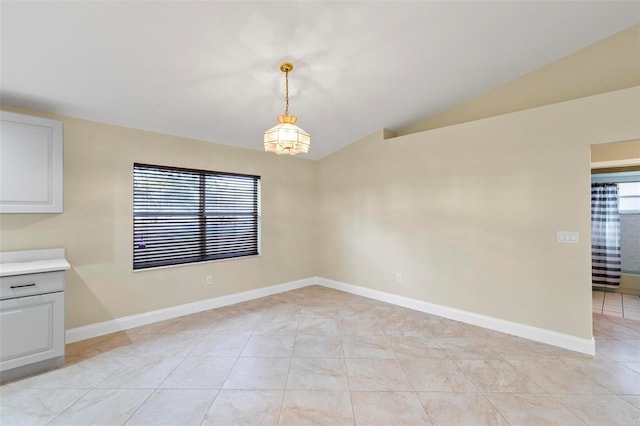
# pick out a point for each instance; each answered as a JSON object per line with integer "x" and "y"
{"x": 615, "y": 219}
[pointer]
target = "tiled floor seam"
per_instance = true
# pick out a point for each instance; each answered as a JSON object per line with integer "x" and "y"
{"x": 346, "y": 372}
{"x": 70, "y": 405}
{"x": 143, "y": 402}
{"x": 223, "y": 382}
{"x": 415, "y": 391}
{"x": 618, "y": 305}
{"x": 494, "y": 407}
{"x": 579, "y": 417}
{"x": 286, "y": 381}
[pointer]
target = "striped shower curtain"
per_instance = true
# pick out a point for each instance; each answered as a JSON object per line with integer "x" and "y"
{"x": 605, "y": 235}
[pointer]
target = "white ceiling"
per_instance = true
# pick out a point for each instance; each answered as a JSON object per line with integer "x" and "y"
{"x": 209, "y": 70}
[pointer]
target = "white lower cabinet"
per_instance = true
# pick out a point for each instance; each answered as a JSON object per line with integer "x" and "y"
{"x": 31, "y": 329}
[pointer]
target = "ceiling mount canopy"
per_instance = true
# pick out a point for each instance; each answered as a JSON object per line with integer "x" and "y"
{"x": 286, "y": 137}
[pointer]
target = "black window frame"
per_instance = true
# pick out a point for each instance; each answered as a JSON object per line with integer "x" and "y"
{"x": 184, "y": 216}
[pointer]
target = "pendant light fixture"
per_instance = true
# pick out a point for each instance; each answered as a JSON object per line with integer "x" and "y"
{"x": 286, "y": 137}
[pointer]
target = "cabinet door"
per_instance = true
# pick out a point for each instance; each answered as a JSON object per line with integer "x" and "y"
{"x": 31, "y": 159}
{"x": 31, "y": 329}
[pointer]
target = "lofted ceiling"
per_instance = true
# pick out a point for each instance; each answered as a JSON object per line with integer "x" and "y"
{"x": 209, "y": 70}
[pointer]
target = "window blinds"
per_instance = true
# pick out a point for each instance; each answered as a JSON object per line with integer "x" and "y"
{"x": 186, "y": 215}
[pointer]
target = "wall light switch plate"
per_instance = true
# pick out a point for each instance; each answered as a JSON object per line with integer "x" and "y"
{"x": 568, "y": 237}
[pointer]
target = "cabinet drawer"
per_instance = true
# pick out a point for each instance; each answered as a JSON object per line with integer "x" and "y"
{"x": 30, "y": 284}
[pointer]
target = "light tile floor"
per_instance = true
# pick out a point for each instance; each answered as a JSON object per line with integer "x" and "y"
{"x": 616, "y": 304}
{"x": 317, "y": 356}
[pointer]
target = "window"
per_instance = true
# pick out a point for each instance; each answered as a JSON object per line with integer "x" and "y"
{"x": 629, "y": 197}
{"x": 629, "y": 208}
{"x": 186, "y": 216}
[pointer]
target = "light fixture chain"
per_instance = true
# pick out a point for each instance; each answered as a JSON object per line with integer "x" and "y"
{"x": 286, "y": 79}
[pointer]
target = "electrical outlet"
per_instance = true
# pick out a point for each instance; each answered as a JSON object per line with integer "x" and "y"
{"x": 209, "y": 280}
{"x": 399, "y": 278}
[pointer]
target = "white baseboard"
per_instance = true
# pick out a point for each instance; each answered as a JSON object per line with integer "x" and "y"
{"x": 125, "y": 323}
{"x": 586, "y": 346}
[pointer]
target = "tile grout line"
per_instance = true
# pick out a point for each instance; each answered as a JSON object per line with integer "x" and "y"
{"x": 346, "y": 372}
{"x": 70, "y": 405}
{"x": 228, "y": 374}
{"x": 286, "y": 381}
{"x": 414, "y": 391}
{"x": 569, "y": 409}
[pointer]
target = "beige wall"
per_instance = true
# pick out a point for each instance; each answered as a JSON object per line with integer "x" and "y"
{"x": 629, "y": 284}
{"x": 625, "y": 150}
{"x": 469, "y": 213}
{"x": 607, "y": 65}
{"x": 96, "y": 226}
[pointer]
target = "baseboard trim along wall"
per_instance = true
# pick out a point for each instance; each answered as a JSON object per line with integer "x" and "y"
{"x": 586, "y": 346}
{"x": 125, "y": 323}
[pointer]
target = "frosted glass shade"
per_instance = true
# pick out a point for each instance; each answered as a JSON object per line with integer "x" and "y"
{"x": 287, "y": 138}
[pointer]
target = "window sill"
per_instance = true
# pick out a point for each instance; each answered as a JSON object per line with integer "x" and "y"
{"x": 196, "y": 263}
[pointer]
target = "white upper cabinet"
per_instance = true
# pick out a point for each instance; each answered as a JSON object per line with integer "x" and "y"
{"x": 31, "y": 157}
